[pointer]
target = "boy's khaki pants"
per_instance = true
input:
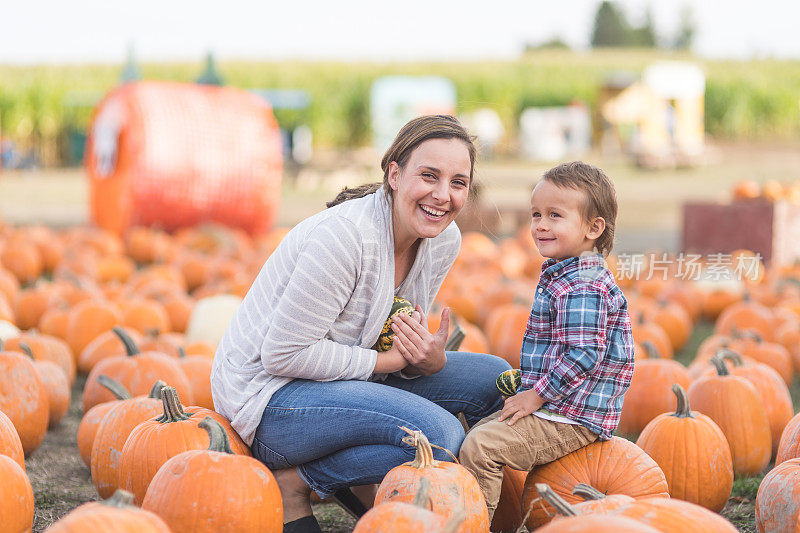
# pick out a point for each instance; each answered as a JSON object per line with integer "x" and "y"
{"x": 531, "y": 441}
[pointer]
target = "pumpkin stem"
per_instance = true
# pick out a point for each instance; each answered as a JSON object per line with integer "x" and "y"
{"x": 173, "y": 410}
{"x": 560, "y": 504}
{"x": 587, "y": 492}
{"x": 26, "y": 349}
{"x": 181, "y": 352}
{"x": 652, "y": 351}
{"x": 217, "y": 437}
{"x": 423, "y": 498}
{"x": 684, "y": 410}
{"x": 719, "y": 364}
{"x": 152, "y": 333}
{"x": 116, "y": 388}
{"x": 130, "y": 347}
{"x": 155, "y": 392}
{"x": 730, "y": 355}
{"x": 121, "y": 499}
{"x": 424, "y": 457}
{"x": 455, "y": 339}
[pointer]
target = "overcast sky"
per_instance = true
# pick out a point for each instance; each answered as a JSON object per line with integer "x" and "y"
{"x": 76, "y": 31}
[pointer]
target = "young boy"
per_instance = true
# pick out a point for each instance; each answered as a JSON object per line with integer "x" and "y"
{"x": 577, "y": 352}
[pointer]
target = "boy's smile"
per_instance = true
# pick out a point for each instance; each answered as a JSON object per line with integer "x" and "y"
{"x": 558, "y": 224}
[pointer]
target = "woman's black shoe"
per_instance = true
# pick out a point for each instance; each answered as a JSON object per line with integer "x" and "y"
{"x": 349, "y": 502}
{"x": 307, "y": 524}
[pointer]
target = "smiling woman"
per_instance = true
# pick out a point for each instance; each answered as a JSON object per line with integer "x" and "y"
{"x": 296, "y": 372}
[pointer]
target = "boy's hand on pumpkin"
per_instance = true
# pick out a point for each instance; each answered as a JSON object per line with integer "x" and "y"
{"x": 421, "y": 348}
{"x": 521, "y": 404}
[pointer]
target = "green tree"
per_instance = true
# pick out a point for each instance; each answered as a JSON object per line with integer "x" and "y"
{"x": 611, "y": 28}
{"x": 685, "y": 35}
{"x": 645, "y": 35}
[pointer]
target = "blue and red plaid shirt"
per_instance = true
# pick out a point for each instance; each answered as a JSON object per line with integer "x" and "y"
{"x": 577, "y": 352}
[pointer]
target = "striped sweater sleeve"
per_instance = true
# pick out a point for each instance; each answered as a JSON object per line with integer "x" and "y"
{"x": 322, "y": 282}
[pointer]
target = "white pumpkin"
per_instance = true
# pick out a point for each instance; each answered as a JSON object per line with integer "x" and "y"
{"x": 8, "y": 330}
{"x": 210, "y": 318}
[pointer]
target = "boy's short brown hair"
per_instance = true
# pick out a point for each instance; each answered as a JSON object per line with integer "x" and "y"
{"x": 601, "y": 197}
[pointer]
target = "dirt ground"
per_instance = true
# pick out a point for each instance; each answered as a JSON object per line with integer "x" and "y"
{"x": 650, "y": 216}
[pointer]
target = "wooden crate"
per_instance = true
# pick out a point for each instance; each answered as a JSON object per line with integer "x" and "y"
{"x": 770, "y": 229}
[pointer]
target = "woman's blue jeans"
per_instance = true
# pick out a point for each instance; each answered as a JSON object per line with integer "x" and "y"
{"x": 345, "y": 433}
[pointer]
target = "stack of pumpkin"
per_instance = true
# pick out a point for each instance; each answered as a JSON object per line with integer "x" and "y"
{"x": 769, "y": 190}
{"x": 738, "y": 383}
{"x": 83, "y": 300}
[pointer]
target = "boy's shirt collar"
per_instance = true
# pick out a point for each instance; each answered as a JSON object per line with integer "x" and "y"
{"x": 553, "y": 268}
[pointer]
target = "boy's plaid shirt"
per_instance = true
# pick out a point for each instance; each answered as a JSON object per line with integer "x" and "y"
{"x": 577, "y": 352}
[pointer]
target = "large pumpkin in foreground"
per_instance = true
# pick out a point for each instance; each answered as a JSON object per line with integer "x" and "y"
{"x": 615, "y": 466}
{"x": 452, "y": 487}
{"x": 693, "y": 453}
{"x": 193, "y": 491}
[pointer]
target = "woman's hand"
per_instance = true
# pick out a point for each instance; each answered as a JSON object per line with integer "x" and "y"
{"x": 390, "y": 361}
{"x": 421, "y": 348}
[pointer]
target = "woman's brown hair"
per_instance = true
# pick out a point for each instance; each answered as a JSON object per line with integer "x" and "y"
{"x": 601, "y": 197}
{"x": 414, "y": 133}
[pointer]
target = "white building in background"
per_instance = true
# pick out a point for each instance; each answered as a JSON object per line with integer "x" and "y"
{"x": 394, "y": 100}
{"x": 555, "y": 133}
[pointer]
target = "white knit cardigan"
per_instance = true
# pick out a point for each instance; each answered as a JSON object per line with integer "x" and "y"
{"x": 318, "y": 305}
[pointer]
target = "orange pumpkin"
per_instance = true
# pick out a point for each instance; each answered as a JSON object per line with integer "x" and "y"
{"x": 452, "y": 486}
{"x": 136, "y": 371}
{"x": 771, "y": 388}
{"x": 413, "y": 517}
{"x": 595, "y": 501}
{"x": 736, "y": 407}
{"x": 22, "y": 258}
{"x": 89, "y": 424}
{"x": 508, "y": 514}
{"x": 46, "y": 348}
{"x": 117, "y": 513}
{"x": 87, "y": 320}
{"x": 789, "y": 445}
{"x": 692, "y": 452}
{"x": 671, "y": 515}
{"x": 16, "y": 496}
{"x": 579, "y": 518}
{"x": 23, "y": 398}
{"x": 154, "y": 441}
{"x": 145, "y": 315}
{"x": 645, "y": 331}
{"x": 30, "y": 304}
{"x": 649, "y": 393}
{"x": 107, "y": 344}
{"x": 504, "y": 328}
{"x": 178, "y": 492}
{"x": 615, "y": 466}
{"x": 10, "y": 445}
{"x": 56, "y": 385}
{"x": 778, "y": 498}
{"x": 746, "y": 315}
{"x": 112, "y": 431}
